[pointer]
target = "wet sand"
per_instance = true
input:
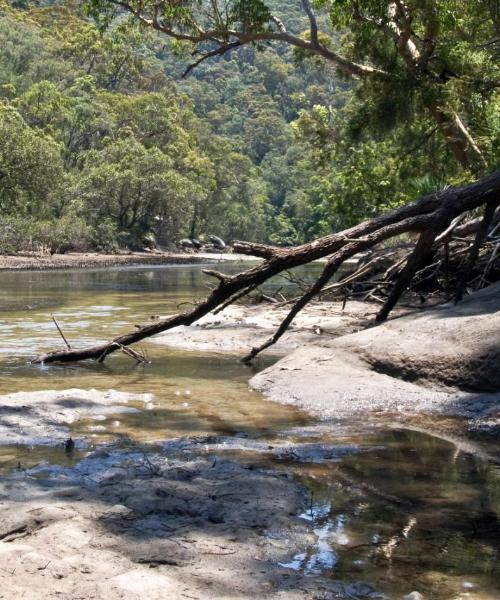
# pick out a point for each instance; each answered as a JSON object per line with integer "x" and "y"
{"x": 90, "y": 260}
{"x": 129, "y": 525}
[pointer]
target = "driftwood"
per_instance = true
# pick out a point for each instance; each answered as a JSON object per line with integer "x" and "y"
{"x": 429, "y": 216}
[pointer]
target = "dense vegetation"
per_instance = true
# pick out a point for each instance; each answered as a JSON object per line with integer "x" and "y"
{"x": 103, "y": 143}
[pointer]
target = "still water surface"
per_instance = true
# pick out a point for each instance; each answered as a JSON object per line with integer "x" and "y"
{"x": 402, "y": 510}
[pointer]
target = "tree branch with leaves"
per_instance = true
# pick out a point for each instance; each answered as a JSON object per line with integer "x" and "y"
{"x": 424, "y": 49}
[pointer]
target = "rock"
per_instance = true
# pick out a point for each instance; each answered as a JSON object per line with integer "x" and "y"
{"x": 86, "y": 569}
{"x": 140, "y": 581}
{"x": 59, "y": 569}
{"x": 443, "y": 360}
{"x": 413, "y": 596}
{"x": 217, "y": 241}
{"x": 360, "y": 589}
{"x": 118, "y": 511}
{"x": 358, "y": 565}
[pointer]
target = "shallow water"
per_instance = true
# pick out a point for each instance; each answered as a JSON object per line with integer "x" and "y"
{"x": 411, "y": 513}
{"x": 402, "y": 510}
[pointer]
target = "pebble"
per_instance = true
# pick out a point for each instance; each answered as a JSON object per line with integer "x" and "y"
{"x": 413, "y": 596}
{"x": 358, "y": 565}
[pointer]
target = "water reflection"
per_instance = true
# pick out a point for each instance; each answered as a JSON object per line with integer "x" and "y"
{"x": 410, "y": 514}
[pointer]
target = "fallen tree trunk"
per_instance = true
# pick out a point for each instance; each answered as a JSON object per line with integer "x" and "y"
{"x": 431, "y": 213}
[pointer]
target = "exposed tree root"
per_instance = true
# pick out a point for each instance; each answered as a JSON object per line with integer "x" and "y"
{"x": 481, "y": 233}
{"x": 430, "y": 216}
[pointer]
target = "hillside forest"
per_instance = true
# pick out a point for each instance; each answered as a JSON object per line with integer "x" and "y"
{"x": 106, "y": 142}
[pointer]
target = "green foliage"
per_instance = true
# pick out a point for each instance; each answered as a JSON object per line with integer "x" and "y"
{"x": 60, "y": 235}
{"x": 54, "y": 235}
{"x": 31, "y": 170}
{"x": 253, "y": 16}
{"x": 14, "y": 233}
{"x": 130, "y": 185}
{"x": 103, "y": 142}
{"x": 105, "y": 236}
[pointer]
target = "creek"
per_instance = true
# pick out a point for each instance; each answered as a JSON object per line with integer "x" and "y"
{"x": 400, "y": 509}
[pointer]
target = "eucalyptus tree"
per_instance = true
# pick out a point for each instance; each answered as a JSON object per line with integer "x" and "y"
{"x": 31, "y": 168}
{"x": 411, "y": 56}
{"x": 129, "y": 185}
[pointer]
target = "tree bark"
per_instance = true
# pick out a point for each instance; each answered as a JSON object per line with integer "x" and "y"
{"x": 458, "y": 139}
{"x": 481, "y": 234}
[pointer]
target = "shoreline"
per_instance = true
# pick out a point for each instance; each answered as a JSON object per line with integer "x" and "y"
{"x": 434, "y": 367}
{"x": 95, "y": 260}
{"x": 239, "y": 327}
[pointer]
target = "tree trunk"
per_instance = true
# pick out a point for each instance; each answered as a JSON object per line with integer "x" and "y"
{"x": 194, "y": 222}
{"x": 418, "y": 216}
{"x": 458, "y": 139}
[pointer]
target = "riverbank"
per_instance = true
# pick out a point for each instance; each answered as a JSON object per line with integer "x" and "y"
{"x": 442, "y": 361}
{"x": 133, "y": 524}
{"x": 94, "y": 260}
{"x": 240, "y": 327}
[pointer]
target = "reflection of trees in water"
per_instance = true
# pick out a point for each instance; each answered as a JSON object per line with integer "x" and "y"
{"x": 48, "y": 290}
{"x": 444, "y": 517}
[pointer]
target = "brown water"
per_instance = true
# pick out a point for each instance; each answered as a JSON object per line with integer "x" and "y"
{"x": 402, "y": 510}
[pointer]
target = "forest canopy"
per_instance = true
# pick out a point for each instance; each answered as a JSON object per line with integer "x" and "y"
{"x": 299, "y": 120}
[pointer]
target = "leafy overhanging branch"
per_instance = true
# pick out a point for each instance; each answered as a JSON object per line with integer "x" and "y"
{"x": 227, "y": 38}
{"x": 225, "y": 26}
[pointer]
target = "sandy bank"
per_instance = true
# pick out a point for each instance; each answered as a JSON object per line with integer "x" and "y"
{"x": 130, "y": 526}
{"x": 443, "y": 361}
{"x": 89, "y": 260}
{"x": 238, "y": 327}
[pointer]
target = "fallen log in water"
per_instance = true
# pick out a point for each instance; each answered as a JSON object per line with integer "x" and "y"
{"x": 428, "y": 216}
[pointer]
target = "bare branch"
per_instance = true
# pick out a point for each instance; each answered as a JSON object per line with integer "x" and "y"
{"x": 312, "y": 21}
{"x": 420, "y": 215}
{"x": 217, "y": 52}
{"x": 61, "y": 333}
{"x": 279, "y": 23}
{"x": 255, "y": 249}
{"x": 220, "y": 276}
{"x": 482, "y": 232}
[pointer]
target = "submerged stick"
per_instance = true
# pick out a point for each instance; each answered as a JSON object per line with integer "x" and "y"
{"x": 60, "y": 331}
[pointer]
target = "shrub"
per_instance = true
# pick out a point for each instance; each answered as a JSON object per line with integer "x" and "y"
{"x": 61, "y": 235}
{"x": 105, "y": 237}
{"x": 54, "y": 235}
{"x": 14, "y": 234}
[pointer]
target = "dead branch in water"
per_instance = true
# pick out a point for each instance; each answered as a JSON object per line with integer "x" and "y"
{"x": 61, "y": 333}
{"x": 428, "y": 216}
